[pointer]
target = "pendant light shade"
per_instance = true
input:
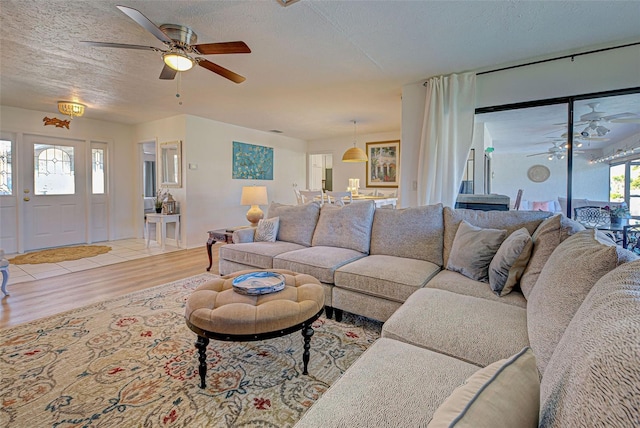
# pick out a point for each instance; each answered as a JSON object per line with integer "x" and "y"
{"x": 354, "y": 154}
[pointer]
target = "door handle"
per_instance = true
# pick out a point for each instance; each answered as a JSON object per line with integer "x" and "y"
{"x": 26, "y": 199}
{"x": 26, "y": 190}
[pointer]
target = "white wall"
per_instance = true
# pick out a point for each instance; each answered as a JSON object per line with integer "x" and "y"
{"x": 210, "y": 198}
{"x": 510, "y": 174}
{"x": 160, "y": 131}
{"x": 615, "y": 69}
{"x": 343, "y": 171}
{"x": 120, "y": 156}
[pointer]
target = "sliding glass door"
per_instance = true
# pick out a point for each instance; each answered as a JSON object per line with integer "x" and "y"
{"x": 562, "y": 160}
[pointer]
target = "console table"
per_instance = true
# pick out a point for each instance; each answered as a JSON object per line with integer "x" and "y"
{"x": 163, "y": 220}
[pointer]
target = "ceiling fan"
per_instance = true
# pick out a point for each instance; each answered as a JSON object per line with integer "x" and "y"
{"x": 556, "y": 151}
{"x": 596, "y": 116}
{"x": 181, "y": 49}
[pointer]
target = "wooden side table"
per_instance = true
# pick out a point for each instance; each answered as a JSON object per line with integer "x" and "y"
{"x": 163, "y": 220}
{"x": 217, "y": 235}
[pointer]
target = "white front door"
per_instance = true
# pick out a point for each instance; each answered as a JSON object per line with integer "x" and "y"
{"x": 54, "y": 192}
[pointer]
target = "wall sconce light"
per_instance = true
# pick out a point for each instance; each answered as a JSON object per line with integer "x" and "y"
{"x": 254, "y": 196}
{"x": 71, "y": 108}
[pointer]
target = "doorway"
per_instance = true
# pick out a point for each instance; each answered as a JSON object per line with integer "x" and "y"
{"x": 53, "y": 192}
{"x": 321, "y": 172}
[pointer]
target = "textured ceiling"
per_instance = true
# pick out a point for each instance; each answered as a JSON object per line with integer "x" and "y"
{"x": 314, "y": 66}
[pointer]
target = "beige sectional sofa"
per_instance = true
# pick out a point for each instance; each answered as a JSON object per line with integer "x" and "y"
{"x": 562, "y": 349}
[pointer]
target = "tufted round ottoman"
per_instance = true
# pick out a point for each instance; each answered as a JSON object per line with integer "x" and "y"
{"x": 215, "y": 311}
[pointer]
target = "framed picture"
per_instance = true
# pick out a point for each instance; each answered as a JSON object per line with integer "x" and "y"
{"x": 252, "y": 162}
{"x": 383, "y": 163}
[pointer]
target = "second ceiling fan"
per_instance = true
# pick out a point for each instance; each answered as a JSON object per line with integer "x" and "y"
{"x": 181, "y": 49}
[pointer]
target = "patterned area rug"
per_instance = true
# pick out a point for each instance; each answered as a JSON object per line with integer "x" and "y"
{"x": 131, "y": 362}
{"x": 56, "y": 255}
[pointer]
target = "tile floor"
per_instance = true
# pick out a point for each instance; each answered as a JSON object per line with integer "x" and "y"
{"x": 121, "y": 251}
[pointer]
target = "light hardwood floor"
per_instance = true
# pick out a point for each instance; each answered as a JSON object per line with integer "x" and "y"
{"x": 31, "y": 300}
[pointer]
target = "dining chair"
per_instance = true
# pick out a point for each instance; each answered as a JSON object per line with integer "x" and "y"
{"x": 298, "y": 196}
{"x": 516, "y": 206}
{"x": 312, "y": 195}
{"x": 338, "y": 198}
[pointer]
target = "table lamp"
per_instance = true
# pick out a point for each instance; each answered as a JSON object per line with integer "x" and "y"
{"x": 254, "y": 196}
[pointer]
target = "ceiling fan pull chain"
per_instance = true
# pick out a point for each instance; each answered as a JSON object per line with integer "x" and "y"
{"x": 178, "y": 82}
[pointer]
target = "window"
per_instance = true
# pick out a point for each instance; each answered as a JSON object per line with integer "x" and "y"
{"x": 54, "y": 172}
{"x": 6, "y": 181}
{"x": 97, "y": 171}
{"x": 624, "y": 184}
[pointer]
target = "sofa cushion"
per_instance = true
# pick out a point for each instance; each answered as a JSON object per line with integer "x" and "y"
{"x": 297, "y": 222}
{"x": 473, "y": 249}
{"x": 258, "y": 254}
{"x": 508, "y": 220}
{"x": 545, "y": 239}
{"x": 415, "y": 233}
{"x": 457, "y": 283}
{"x": 267, "y": 230}
{"x": 392, "y": 384}
{"x": 320, "y": 262}
{"x": 389, "y": 277}
{"x": 567, "y": 277}
{"x": 348, "y": 226}
{"x": 510, "y": 261}
{"x": 503, "y": 394}
{"x": 599, "y": 351}
{"x": 474, "y": 330}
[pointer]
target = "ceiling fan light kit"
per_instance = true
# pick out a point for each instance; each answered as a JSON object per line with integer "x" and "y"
{"x": 178, "y": 61}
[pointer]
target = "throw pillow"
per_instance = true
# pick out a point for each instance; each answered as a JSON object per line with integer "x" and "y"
{"x": 508, "y": 220}
{"x": 510, "y": 261}
{"x": 567, "y": 277}
{"x": 503, "y": 394}
{"x": 473, "y": 249}
{"x": 267, "y": 230}
{"x": 545, "y": 239}
{"x": 541, "y": 206}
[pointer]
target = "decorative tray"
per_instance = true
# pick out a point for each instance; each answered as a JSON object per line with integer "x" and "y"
{"x": 257, "y": 283}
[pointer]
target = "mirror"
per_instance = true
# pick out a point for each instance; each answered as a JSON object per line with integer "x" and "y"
{"x": 170, "y": 164}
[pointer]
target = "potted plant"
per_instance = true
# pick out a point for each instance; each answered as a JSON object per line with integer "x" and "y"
{"x": 618, "y": 214}
{"x": 159, "y": 199}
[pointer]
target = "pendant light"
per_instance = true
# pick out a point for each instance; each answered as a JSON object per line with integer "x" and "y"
{"x": 354, "y": 154}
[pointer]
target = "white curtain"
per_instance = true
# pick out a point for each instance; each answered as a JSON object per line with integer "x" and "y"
{"x": 447, "y": 132}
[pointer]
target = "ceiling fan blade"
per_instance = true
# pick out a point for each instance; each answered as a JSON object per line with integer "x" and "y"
{"x": 120, "y": 45}
{"x": 629, "y": 120}
{"x": 617, "y": 116}
{"x": 145, "y": 23}
{"x": 222, "y": 48}
{"x": 168, "y": 73}
{"x": 538, "y": 154}
{"x": 228, "y": 74}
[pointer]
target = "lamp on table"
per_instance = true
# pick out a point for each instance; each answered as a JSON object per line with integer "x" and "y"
{"x": 254, "y": 196}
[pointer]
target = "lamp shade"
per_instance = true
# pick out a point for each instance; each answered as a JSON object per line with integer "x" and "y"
{"x": 354, "y": 154}
{"x": 254, "y": 195}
